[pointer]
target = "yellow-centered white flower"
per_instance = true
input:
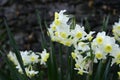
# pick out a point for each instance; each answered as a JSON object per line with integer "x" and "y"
{"x": 29, "y": 58}
{"x": 103, "y": 45}
{"x": 78, "y": 32}
{"x": 44, "y": 57}
{"x": 81, "y": 64}
{"x": 116, "y": 30}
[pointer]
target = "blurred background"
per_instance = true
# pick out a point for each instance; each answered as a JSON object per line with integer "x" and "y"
{"x": 21, "y": 16}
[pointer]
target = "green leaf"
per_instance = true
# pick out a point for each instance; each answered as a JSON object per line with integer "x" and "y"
{"x": 13, "y": 71}
{"x": 53, "y": 72}
{"x": 70, "y": 66}
{"x": 3, "y": 76}
{"x": 105, "y": 23}
{"x": 107, "y": 69}
{"x": 43, "y": 39}
{"x": 51, "y": 63}
{"x": 73, "y": 23}
{"x": 87, "y": 25}
{"x": 15, "y": 48}
{"x": 98, "y": 72}
{"x": 60, "y": 70}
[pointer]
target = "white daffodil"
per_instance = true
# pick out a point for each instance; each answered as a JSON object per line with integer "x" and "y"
{"x": 60, "y": 18}
{"x": 109, "y": 45}
{"x": 116, "y": 30}
{"x": 116, "y": 55}
{"x": 25, "y": 57}
{"x": 67, "y": 42}
{"x": 34, "y": 58}
{"x": 89, "y": 36}
{"x": 12, "y": 57}
{"x": 103, "y": 45}
{"x": 44, "y": 57}
{"x": 30, "y": 72}
{"x": 18, "y": 67}
{"x": 74, "y": 55}
{"x": 100, "y": 38}
{"x": 29, "y": 58}
{"x": 82, "y": 46}
{"x": 78, "y": 32}
{"x": 59, "y": 30}
{"x": 81, "y": 64}
{"x": 99, "y": 54}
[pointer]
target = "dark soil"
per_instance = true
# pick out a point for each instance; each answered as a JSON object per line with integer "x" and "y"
{"x": 22, "y": 19}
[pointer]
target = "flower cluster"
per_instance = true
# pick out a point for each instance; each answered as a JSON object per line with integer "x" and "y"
{"x": 88, "y": 49}
{"x": 116, "y": 31}
{"x": 60, "y": 30}
{"x": 81, "y": 64}
{"x": 104, "y": 45}
{"x": 29, "y": 59}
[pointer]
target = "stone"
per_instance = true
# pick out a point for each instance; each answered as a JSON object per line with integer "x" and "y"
{"x": 3, "y": 2}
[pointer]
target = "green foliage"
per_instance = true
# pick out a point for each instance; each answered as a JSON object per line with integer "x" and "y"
{"x": 17, "y": 53}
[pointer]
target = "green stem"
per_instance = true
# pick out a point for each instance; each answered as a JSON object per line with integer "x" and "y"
{"x": 91, "y": 52}
{"x": 89, "y": 77}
